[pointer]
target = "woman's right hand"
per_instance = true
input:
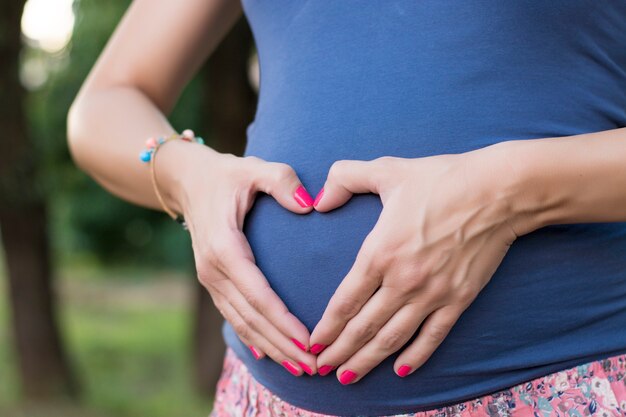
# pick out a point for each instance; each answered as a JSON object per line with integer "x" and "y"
{"x": 214, "y": 191}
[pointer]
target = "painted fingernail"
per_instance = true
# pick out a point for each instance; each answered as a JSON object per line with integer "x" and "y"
{"x": 306, "y": 368}
{"x": 347, "y": 376}
{"x": 404, "y": 370}
{"x": 302, "y": 197}
{"x": 255, "y": 353}
{"x": 317, "y": 348}
{"x": 291, "y": 368}
{"x": 298, "y": 343}
{"x": 325, "y": 369}
{"x": 318, "y": 197}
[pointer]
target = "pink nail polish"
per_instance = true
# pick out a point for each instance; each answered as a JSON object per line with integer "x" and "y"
{"x": 347, "y": 376}
{"x": 325, "y": 369}
{"x": 306, "y": 368}
{"x": 317, "y": 348}
{"x": 254, "y": 352}
{"x": 302, "y": 197}
{"x": 318, "y": 197}
{"x": 404, "y": 370}
{"x": 298, "y": 343}
{"x": 291, "y": 368}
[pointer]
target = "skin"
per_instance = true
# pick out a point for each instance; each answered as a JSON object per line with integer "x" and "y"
{"x": 447, "y": 221}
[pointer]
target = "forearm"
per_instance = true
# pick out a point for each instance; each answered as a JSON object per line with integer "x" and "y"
{"x": 573, "y": 179}
{"x": 107, "y": 130}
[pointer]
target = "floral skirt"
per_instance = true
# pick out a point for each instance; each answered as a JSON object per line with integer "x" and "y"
{"x": 595, "y": 388}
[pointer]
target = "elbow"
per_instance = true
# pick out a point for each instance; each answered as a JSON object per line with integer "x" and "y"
{"x": 76, "y": 139}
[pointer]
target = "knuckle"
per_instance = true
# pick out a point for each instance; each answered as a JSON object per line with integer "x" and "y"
{"x": 253, "y": 159}
{"x": 337, "y": 168}
{"x": 406, "y": 277}
{"x": 250, "y": 319}
{"x": 378, "y": 251}
{"x": 207, "y": 276}
{"x": 241, "y": 328}
{"x": 254, "y": 300}
{"x": 379, "y": 262}
{"x": 466, "y": 294}
{"x": 221, "y": 311}
{"x": 437, "y": 332}
{"x": 385, "y": 167}
{"x": 384, "y": 161}
{"x": 391, "y": 340}
{"x": 347, "y": 306}
{"x": 368, "y": 251}
{"x": 438, "y": 288}
{"x": 217, "y": 299}
{"x": 283, "y": 171}
{"x": 365, "y": 330}
{"x": 219, "y": 253}
{"x": 415, "y": 284}
{"x": 204, "y": 276}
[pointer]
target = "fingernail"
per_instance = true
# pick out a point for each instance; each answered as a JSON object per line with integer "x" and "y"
{"x": 301, "y": 345}
{"x": 302, "y": 197}
{"x": 317, "y": 348}
{"x": 306, "y": 368}
{"x": 254, "y": 352}
{"x": 291, "y": 368}
{"x": 404, "y": 370}
{"x": 318, "y": 197}
{"x": 325, "y": 369}
{"x": 347, "y": 376}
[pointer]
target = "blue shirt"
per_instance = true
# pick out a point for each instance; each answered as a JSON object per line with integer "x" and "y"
{"x": 362, "y": 79}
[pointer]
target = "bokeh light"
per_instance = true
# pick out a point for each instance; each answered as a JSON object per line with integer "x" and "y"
{"x": 48, "y": 24}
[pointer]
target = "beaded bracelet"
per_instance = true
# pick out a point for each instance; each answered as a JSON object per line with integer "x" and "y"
{"x": 148, "y": 155}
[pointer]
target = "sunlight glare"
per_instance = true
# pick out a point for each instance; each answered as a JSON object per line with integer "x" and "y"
{"x": 48, "y": 23}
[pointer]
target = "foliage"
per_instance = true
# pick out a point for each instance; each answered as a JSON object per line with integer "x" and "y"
{"x": 86, "y": 219}
{"x": 128, "y": 339}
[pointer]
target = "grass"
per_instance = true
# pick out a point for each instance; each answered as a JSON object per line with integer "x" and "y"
{"x": 129, "y": 341}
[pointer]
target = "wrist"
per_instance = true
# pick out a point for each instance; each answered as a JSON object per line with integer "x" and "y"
{"x": 173, "y": 167}
{"x": 533, "y": 199}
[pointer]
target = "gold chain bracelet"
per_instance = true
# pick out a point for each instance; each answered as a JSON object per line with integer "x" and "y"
{"x": 148, "y": 155}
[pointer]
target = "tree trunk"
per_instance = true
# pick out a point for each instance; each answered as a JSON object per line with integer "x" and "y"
{"x": 42, "y": 364}
{"x": 231, "y": 103}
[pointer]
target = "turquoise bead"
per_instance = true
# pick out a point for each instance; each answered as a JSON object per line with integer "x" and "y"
{"x": 200, "y": 140}
{"x": 145, "y": 156}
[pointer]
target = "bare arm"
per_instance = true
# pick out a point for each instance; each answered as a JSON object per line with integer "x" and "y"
{"x": 571, "y": 179}
{"x": 151, "y": 56}
{"x": 156, "y": 49}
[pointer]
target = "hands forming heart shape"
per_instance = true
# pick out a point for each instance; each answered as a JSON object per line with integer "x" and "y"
{"x": 446, "y": 224}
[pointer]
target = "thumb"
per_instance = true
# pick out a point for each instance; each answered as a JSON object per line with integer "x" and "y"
{"x": 281, "y": 182}
{"x": 345, "y": 178}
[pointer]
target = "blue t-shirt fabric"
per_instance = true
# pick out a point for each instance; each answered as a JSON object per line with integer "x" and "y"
{"x": 362, "y": 79}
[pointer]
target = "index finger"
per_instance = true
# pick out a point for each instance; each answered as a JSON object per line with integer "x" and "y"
{"x": 355, "y": 289}
{"x": 239, "y": 266}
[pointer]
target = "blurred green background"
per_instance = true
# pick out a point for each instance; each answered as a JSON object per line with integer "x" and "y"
{"x": 137, "y": 335}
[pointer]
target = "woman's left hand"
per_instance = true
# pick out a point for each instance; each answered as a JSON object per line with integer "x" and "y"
{"x": 445, "y": 226}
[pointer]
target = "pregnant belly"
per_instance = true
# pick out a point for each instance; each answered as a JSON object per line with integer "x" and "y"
{"x": 542, "y": 289}
{"x": 537, "y": 290}
{"x": 305, "y": 257}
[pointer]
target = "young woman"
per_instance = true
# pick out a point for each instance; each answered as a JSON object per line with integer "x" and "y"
{"x": 429, "y": 216}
